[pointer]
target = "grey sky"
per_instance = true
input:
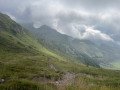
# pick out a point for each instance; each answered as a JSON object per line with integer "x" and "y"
{"x": 83, "y": 19}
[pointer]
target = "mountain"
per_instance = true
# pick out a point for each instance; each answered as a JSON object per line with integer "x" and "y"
{"x": 15, "y": 38}
{"x": 50, "y": 60}
{"x": 23, "y": 58}
{"x": 103, "y": 53}
{"x": 66, "y": 46}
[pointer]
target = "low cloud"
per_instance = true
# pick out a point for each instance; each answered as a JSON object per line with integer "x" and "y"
{"x": 93, "y": 34}
{"x": 83, "y": 19}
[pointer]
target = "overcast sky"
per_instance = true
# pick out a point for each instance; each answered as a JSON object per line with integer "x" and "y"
{"x": 83, "y": 19}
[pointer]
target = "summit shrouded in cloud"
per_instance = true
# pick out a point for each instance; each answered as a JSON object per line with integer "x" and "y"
{"x": 83, "y": 19}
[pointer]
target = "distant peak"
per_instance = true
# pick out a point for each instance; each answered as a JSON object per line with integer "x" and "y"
{"x": 45, "y": 26}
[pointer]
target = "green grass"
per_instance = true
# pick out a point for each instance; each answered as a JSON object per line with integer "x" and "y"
{"x": 20, "y": 67}
{"x": 25, "y": 65}
{"x": 96, "y": 79}
{"x": 23, "y": 58}
{"x": 26, "y": 85}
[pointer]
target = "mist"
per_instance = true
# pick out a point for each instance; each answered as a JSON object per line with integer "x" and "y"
{"x": 88, "y": 19}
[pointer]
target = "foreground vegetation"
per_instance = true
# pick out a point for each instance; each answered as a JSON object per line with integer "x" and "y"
{"x": 17, "y": 70}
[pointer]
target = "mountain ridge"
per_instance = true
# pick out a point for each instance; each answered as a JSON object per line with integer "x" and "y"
{"x": 83, "y": 48}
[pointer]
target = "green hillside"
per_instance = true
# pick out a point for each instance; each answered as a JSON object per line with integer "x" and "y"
{"x": 66, "y": 46}
{"x": 27, "y": 63}
{"x": 74, "y": 49}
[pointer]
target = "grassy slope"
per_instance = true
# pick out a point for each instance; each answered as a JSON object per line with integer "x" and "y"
{"x": 19, "y": 67}
{"x": 23, "y": 67}
{"x": 75, "y": 49}
{"x": 22, "y": 58}
{"x": 65, "y": 46}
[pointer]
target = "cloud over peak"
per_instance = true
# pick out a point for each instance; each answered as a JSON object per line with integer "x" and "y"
{"x": 72, "y": 17}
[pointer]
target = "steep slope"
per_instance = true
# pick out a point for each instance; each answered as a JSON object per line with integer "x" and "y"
{"x": 21, "y": 55}
{"x": 23, "y": 58}
{"x": 66, "y": 46}
{"x": 14, "y": 37}
{"x": 103, "y": 54}
{"x": 27, "y": 65}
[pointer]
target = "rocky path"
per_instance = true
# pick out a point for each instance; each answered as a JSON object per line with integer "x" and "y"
{"x": 52, "y": 66}
{"x": 66, "y": 80}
